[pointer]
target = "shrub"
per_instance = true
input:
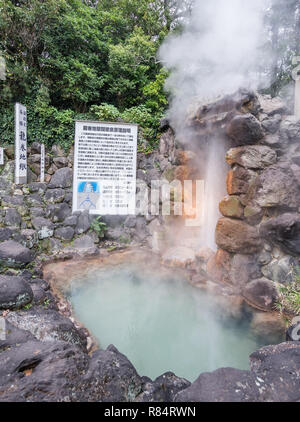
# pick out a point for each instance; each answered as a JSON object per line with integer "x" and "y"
{"x": 289, "y": 296}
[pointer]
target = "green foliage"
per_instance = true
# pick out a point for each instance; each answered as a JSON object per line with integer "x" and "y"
{"x": 68, "y": 59}
{"x": 99, "y": 227}
{"x": 106, "y": 112}
{"x": 289, "y": 296}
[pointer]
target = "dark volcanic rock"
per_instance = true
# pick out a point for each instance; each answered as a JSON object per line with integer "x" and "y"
{"x": 237, "y": 236}
{"x": 274, "y": 376}
{"x": 244, "y": 129}
{"x": 64, "y": 233}
{"x": 261, "y": 293}
{"x": 112, "y": 377}
{"x": 58, "y": 212}
{"x": 283, "y": 231}
{"x": 54, "y": 195}
{"x": 62, "y": 178}
{"x": 272, "y": 124}
{"x": 47, "y": 325}
{"x": 41, "y": 372}
{"x": 239, "y": 180}
{"x": 12, "y": 218}
{"x": 5, "y": 234}
{"x": 290, "y": 130}
{"x": 252, "y": 156}
{"x": 163, "y": 388}
{"x": 59, "y": 372}
{"x": 243, "y": 268}
{"x": 276, "y": 186}
{"x": 83, "y": 223}
{"x": 13, "y": 254}
{"x": 13, "y": 337}
{"x": 222, "y": 385}
{"x": 14, "y": 292}
{"x": 277, "y": 370}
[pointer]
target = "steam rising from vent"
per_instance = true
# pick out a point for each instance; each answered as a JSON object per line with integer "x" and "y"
{"x": 217, "y": 52}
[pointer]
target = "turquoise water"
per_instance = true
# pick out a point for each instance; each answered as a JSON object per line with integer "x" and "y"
{"x": 160, "y": 322}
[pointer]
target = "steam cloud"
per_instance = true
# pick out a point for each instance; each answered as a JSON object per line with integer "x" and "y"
{"x": 217, "y": 52}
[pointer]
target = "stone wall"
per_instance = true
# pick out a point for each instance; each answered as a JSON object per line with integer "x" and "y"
{"x": 259, "y": 234}
{"x": 39, "y": 215}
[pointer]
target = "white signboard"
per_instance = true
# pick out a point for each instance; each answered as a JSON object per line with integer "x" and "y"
{"x": 1, "y": 156}
{"x": 105, "y": 168}
{"x": 42, "y": 175}
{"x": 20, "y": 144}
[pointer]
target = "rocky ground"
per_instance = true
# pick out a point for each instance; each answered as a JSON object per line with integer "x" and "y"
{"x": 45, "y": 355}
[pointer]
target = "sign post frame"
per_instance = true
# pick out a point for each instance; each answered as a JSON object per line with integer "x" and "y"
{"x": 20, "y": 144}
{"x": 105, "y": 164}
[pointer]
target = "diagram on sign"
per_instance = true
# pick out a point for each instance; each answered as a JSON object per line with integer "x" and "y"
{"x": 88, "y": 195}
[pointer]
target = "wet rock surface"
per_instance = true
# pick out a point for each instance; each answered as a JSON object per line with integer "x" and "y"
{"x": 13, "y": 254}
{"x": 14, "y": 292}
{"x": 274, "y": 376}
{"x": 237, "y": 236}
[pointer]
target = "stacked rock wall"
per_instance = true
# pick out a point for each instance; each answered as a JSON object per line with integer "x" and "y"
{"x": 259, "y": 234}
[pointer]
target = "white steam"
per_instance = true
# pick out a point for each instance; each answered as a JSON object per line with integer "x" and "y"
{"x": 217, "y": 52}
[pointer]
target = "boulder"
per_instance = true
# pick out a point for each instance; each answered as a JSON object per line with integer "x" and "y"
{"x": 290, "y": 130}
{"x": 245, "y": 129}
{"x": 13, "y": 254}
{"x": 272, "y": 124}
{"x": 47, "y": 325}
{"x": 277, "y": 370}
{"x": 276, "y": 187}
{"x": 42, "y": 372}
{"x": 60, "y": 162}
{"x": 30, "y": 238}
{"x": 34, "y": 200}
{"x": 58, "y": 212}
{"x": 37, "y": 187}
{"x": 14, "y": 292}
{"x": 62, "y": 178}
{"x": 252, "y": 156}
{"x": 64, "y": 233}
{"x": 239, "y": 180}
{"x": 111, "y": 378}
{"x": 12, "y": 218}
{"x": 283, "y": 231}
{"x": 231, "y": 206}
{"x": 162, "y": 389}
{"x": 54, "y": 196}
{"x": 222, "y": 385}
{"x": 13, "y": 337}
{"x": 237, "y": 237}
{"x": 83, "y": 223}
{"x": 71, "y": 221}
{"x": 271, "y": 106}
{"x": 218, "y": 266}
{"x": 269, "y": 326}
{"x": 279, "y": 270}
{"x": 243, "y": 269}
{"x": 178, "y": 256}
{"x": 253, "y": 214}
{"x": 261, "y": 293}
{"x": 5, "y": 234}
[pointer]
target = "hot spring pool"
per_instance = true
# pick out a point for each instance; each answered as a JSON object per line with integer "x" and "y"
{"x": 159, "y": 321}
